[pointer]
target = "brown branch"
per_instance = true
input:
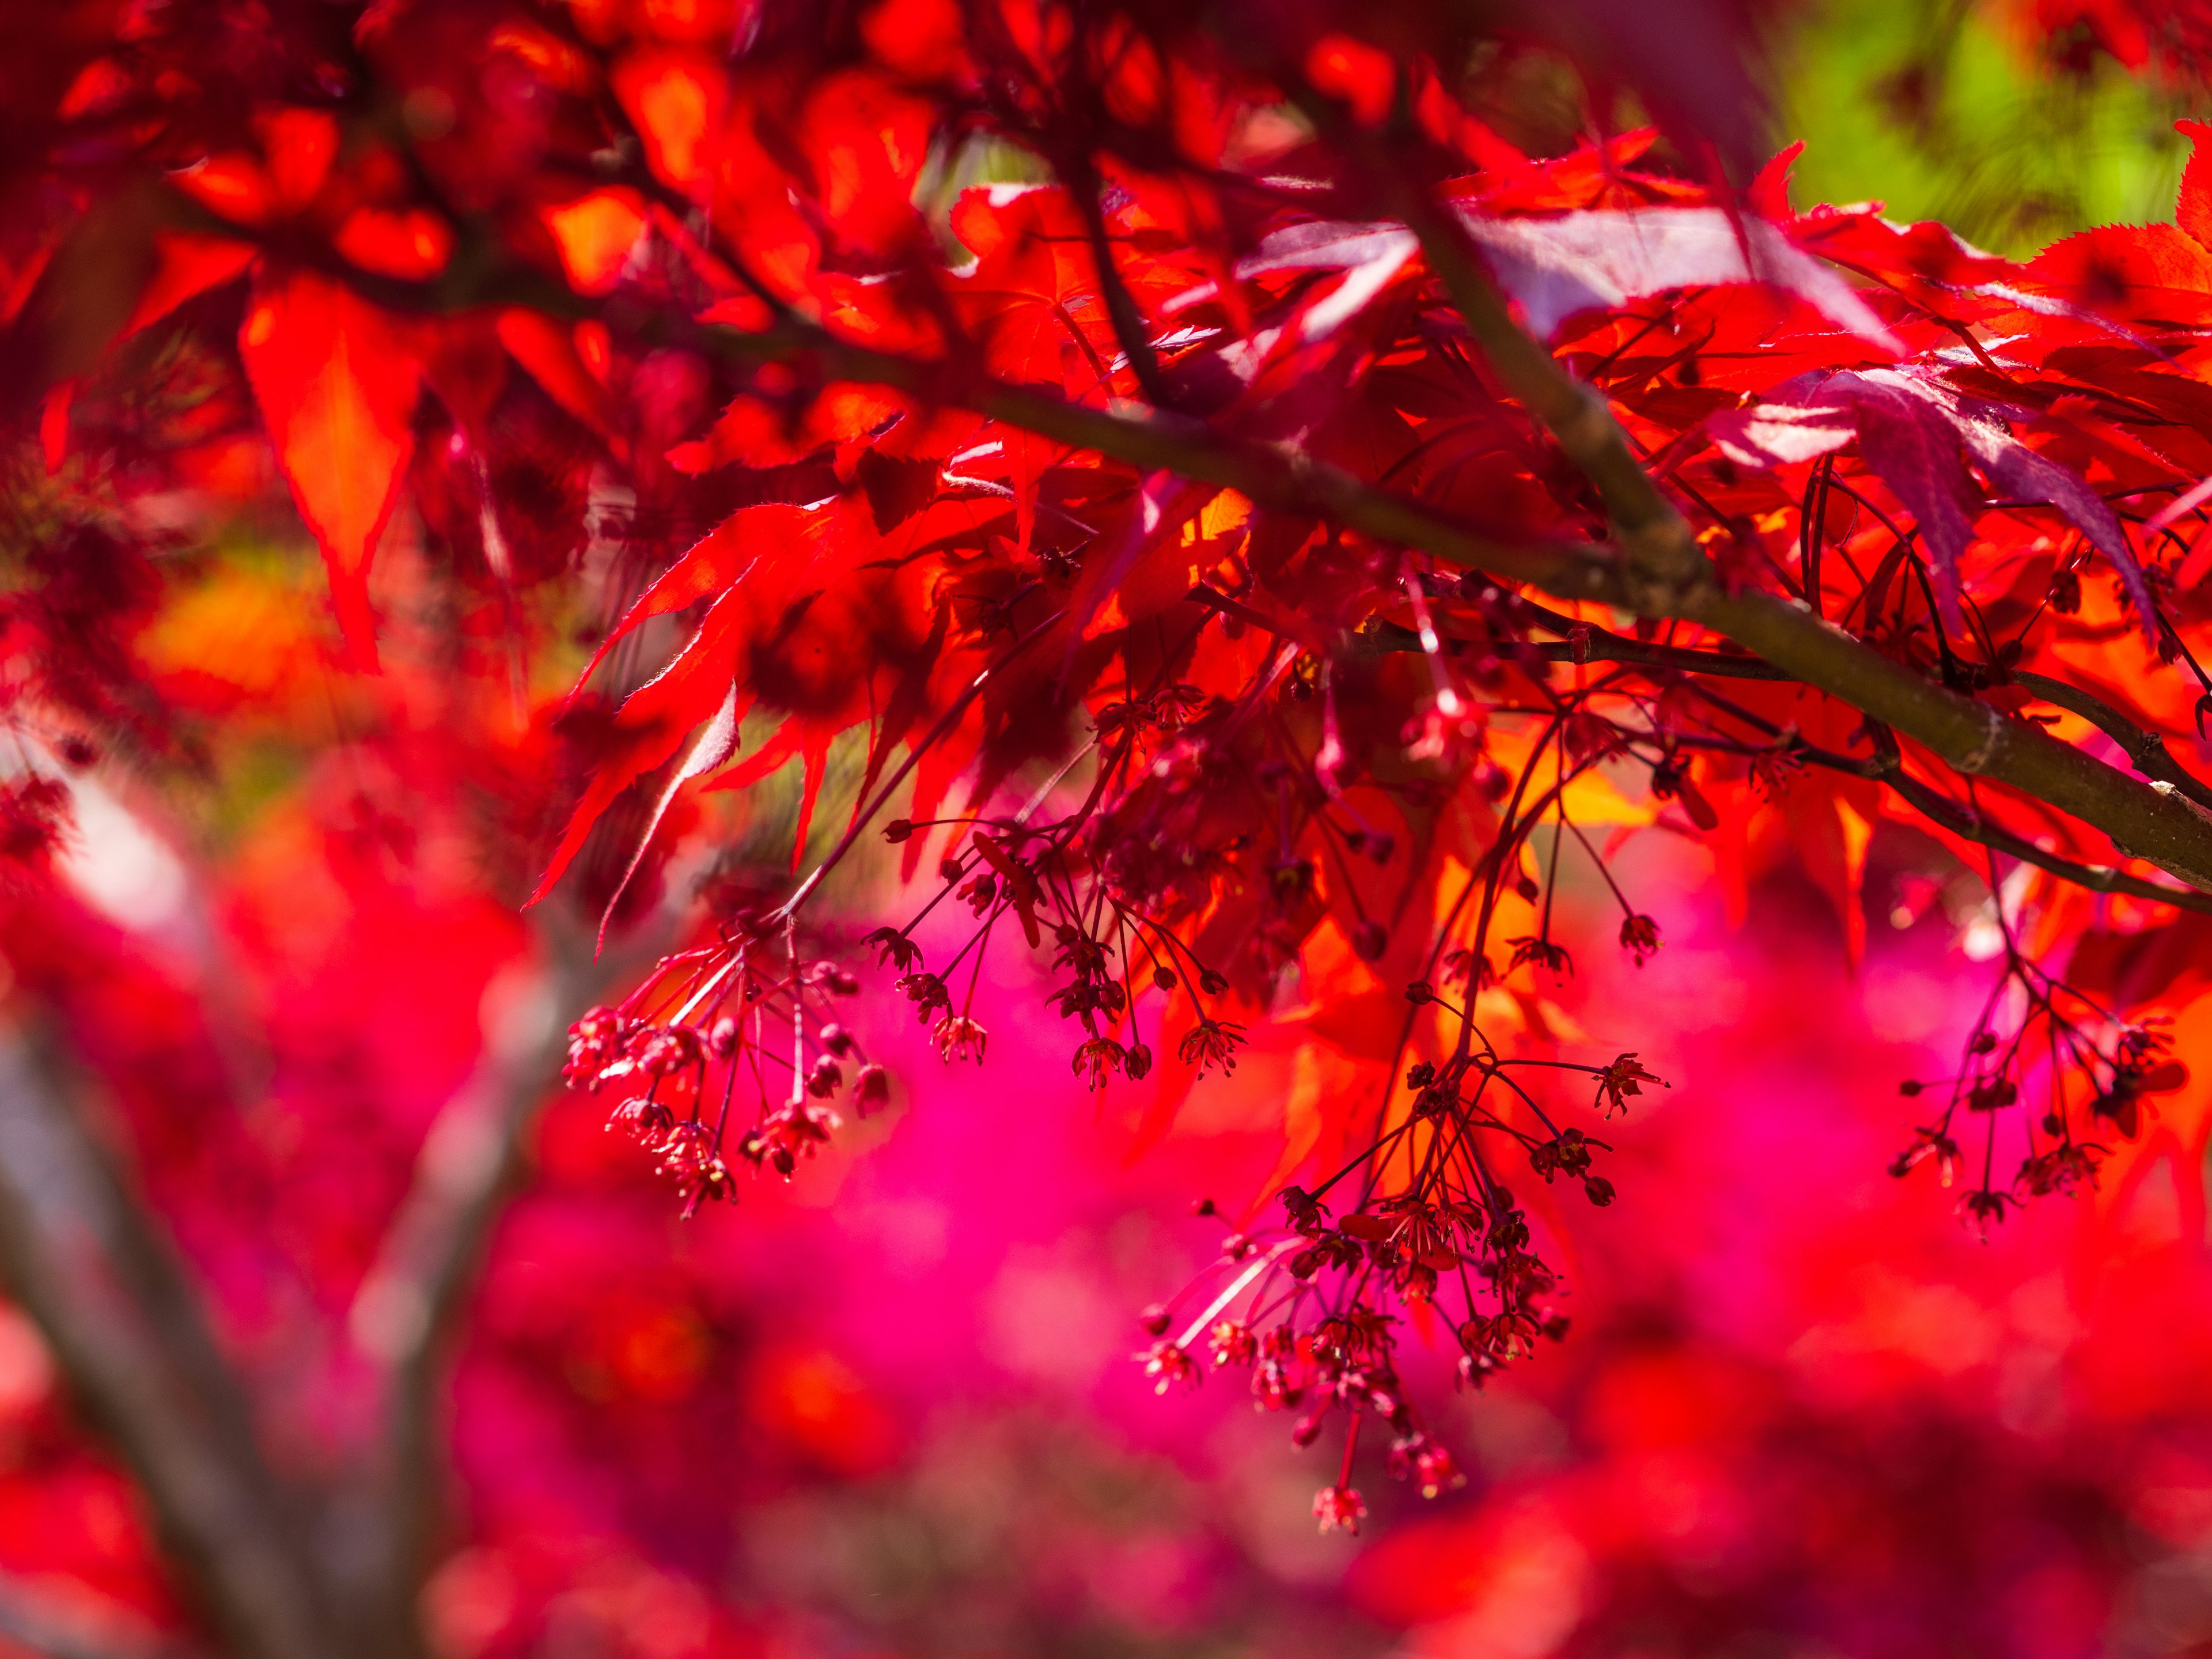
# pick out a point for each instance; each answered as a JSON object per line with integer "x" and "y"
{"x": 1933, "y": 804}
{"x": 1602, "y": 646}
{"x": 1593, "y": 645}
{"x": 403, "y": 1314}
{"x": 1660, "y": 568}
{"x": 64, "y": 1218}
{"x": 1972, "y": 736}
{"x": 1887, "y": 767}
{"x": 82, "y": 1255}
{"x": 1285, "y": 628}
{"x": 1657, "y": 571}
{"x": 1121, "y": 309}
{"x": 1975, "y": 738}
{"x": 2145, "y": 750}
{"x": 1662, "y": 571}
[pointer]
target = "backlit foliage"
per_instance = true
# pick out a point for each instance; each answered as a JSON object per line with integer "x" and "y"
{"x": 1249, "y": 557}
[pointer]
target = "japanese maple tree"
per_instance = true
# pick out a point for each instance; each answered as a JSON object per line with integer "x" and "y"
{"x": 1255, "y": 541}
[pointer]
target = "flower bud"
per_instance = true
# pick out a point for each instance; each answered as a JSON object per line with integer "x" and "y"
{"x": 872, "y": 1089}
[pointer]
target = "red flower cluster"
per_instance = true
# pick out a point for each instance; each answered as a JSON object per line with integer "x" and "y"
{"x": 714, "y": 1010}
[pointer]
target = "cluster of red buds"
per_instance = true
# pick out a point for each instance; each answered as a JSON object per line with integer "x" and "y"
{"x": 709, "y": 1026}
{"x": 2091, "y": 1072}
{"x": 1303, "y": 1307}
{"x": 1111, "y": 952}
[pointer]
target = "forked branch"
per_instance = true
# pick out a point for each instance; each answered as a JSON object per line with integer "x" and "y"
{"x": 1653, "y": 568}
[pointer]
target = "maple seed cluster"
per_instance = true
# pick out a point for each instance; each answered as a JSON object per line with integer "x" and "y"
{"x": 1104, "y": 885}
{"x": 1304, "y": 1308}
{"x": 715, "y": 1024}
{"x": 2092, "y": 1072}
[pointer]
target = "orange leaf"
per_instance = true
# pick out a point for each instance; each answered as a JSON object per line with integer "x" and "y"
{"x": 676, "y": 98}
{"x": 232, "y": 184}
{"x": 54, "y": 425}
{"x": 411, "y": 246}
{"x": 594, "y": 235}
{"x": 300, "y": 144}
{"x": 1829, "y": 823}
{"x": 716, "y": 743}
{"x": 810, "y": 740}
{"x": 300, "y": 147}
{"x": 754, "y": 433}
{"x": 1323, "y": 1085}
{"x": 336, "y": 381}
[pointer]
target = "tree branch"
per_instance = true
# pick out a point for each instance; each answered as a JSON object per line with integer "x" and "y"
{"x": 1972, "y": 736}
{"x": 63, "y": 1219}
{"x": 1933, "y": 804}
{"x": 2145, "y": 750}
{"x": 1887, "y": 767}
{"x": 1658, "y": 570}
{"x": 1122, "y": 310}
{"x": 1595, "y": 644}
{"x": 1662, "y": 571}
{"x": 407, "y": 1306}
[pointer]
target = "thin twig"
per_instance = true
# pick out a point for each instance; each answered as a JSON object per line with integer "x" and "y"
{"x": 2145, "y": 750}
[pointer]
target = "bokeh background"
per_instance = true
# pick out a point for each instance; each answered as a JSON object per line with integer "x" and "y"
{"x": 891, "y": 1409}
